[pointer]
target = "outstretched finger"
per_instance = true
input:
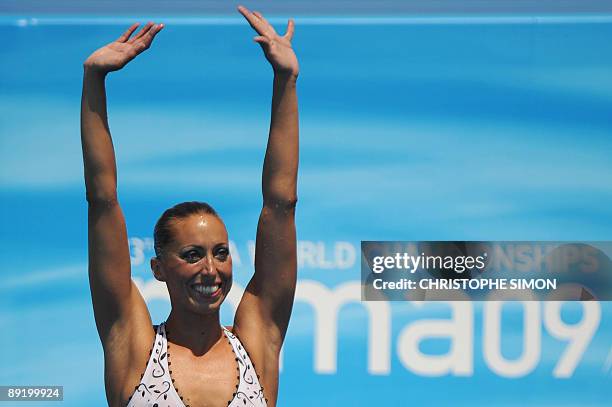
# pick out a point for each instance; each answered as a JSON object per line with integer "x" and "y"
{"x": 253, "y": 20}
{"x": 268, "y": 26}
{"x": 147, "y": 39}
{"x": 142, "y": 32}
{"x": 290, "y": 30}
{"x": 157, "y": 28}
{"x": 124, "y": 37}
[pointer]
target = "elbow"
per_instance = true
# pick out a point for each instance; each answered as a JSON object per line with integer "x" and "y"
{"x": 280, "y": 197}
{"x": 281, "y": 204}
{"x": 100, "y": 189}
{"x": 100, "y": 200}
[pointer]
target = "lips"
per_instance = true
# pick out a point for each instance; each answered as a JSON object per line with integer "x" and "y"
{"x": 206, "y": 291}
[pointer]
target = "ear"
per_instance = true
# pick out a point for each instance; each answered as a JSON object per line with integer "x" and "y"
{"x": 158, "y": 270}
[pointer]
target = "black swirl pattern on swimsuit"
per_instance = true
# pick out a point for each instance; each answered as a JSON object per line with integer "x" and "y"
{"x": 249, "y": 400}
{"x": 158, "y": 370}
{"x": 141, "y": 388}
{"x": 163, "y": 393}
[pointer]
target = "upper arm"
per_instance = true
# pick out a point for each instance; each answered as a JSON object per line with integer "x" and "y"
{"x": 117, "y": 303}
{"x": 109, "y": 262}
{"x": 266, "y": 305}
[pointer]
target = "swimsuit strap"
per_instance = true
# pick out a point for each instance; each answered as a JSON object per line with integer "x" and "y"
{"x": 249, "y": 391}
{"x": 155, "y": 387}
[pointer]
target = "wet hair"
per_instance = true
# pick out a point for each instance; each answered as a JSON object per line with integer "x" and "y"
{"x": 162, "y": 234}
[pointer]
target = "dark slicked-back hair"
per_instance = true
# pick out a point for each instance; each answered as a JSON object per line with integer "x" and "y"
{"x": 162, "y": 234}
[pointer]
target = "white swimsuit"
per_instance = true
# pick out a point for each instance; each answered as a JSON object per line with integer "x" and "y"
{"x": 156, "y": 387}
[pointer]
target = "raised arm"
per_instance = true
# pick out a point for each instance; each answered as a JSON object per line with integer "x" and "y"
{"x": 266, "y": 305}
{"x": 118, "y": 306}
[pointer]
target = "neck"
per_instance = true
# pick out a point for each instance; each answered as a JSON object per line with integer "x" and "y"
{"x": 196, "y": 332}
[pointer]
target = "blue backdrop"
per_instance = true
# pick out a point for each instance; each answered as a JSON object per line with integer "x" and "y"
{"x": 488, "y": 128}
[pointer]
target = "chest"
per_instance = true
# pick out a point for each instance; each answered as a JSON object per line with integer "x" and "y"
{"x": 207, "y": 381}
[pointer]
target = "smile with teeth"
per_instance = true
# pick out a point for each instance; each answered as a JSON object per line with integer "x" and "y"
{"x": 206, "y": 289}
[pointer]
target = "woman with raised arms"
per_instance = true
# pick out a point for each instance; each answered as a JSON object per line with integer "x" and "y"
{"x": 191, "y": 359}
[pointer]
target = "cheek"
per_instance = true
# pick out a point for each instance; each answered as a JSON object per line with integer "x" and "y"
{"x": 178, "y": 274}
{"x": 226, "y": 268}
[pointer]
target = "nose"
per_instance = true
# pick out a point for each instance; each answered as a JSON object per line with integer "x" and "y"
{"x": 208, "y": 266}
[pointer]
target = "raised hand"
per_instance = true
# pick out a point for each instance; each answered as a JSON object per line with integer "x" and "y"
{"x": 117, "y": 54}
{"x": 277, "y": 48}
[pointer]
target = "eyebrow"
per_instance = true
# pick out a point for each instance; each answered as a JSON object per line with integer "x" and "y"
{"x": 188, "y": 247}
{"x": 195, "y": 246}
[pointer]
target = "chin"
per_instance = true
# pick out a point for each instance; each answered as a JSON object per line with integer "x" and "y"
{"x": 205, "y": 307}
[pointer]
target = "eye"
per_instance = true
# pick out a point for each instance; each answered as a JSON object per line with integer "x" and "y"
{"x": 192, "y": 256}
{"x": 222, "y": 253}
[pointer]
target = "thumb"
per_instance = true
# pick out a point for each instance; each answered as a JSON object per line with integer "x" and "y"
{"x": 290, "y": 30}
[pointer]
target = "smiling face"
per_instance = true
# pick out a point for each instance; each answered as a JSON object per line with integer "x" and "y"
{"x": 196, "y": 264}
